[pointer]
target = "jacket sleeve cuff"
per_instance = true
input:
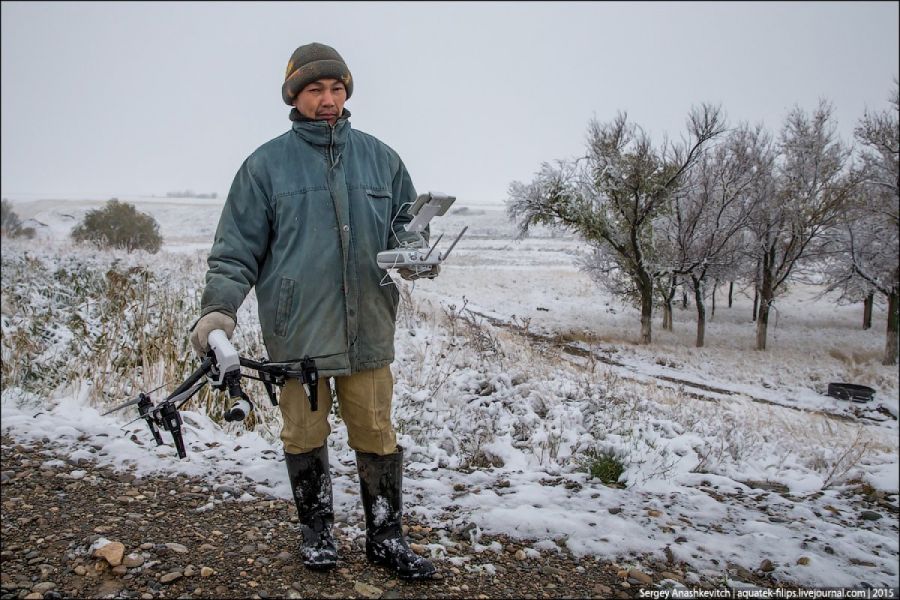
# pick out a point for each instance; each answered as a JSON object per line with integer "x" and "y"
{"x": 210, "y": 309}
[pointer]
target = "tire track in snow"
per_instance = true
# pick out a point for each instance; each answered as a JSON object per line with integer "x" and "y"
{"x": 575, "y": 350}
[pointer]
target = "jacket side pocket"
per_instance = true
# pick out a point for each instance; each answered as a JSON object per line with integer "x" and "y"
{"x": 285, "y": 302}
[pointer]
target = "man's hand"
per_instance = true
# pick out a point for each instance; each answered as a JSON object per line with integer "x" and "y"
{"x": 420, "y": 272}
{"x": 207, "y": 324}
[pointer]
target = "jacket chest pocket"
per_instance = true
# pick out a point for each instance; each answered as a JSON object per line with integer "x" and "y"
{"x": 379, "y": 198}
{"x": 378, "y": 203}
{"x": 301, "y": 213}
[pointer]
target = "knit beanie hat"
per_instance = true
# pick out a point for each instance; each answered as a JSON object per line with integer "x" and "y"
{"x": 310, "y": 63}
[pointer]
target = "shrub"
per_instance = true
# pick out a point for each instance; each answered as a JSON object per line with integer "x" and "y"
{"x": 10, "y": 224}
{"x": 604, "y": 465}
{"x": 119, "y": 225}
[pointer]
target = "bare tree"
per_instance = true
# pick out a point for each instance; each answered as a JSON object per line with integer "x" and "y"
{"x": 611, "y": 196}
{"x": 866, "y": 242}
{"x": 706, "y": 220}
{"x": 809, "y": 196}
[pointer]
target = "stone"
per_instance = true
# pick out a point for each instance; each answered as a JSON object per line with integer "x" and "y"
{"x": 803, "y": 560}
{"x": 228, "y": 489}
{"x": 189, "y": 571}
{"x": 206, "y": 571}
{"x": 120, "y": 570}
{"x": 44, "y": 587}
{"x": 80, "y": 570}
{"x": 111, "y": 553}
{"x": 170, "y": 577}
{"x": 418, "y": 548}
{"x": 109, "y": 587}
{"x": 861, "y": 563}
{"x": 766, "y": 566}
{"x": 869, "y": 515}
{"x": 520, "y": 554}
{"x": 640, "y": 576}
{"x": 178, "y": 548}
{"x": 133, "y": 560}
{"x": 366, "y": 590}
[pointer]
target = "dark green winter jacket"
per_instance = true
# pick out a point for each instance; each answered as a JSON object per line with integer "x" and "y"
{"x": 305, "y": 217}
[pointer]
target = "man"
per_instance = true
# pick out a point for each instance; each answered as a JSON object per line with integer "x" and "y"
{"x": 304, "y": 220}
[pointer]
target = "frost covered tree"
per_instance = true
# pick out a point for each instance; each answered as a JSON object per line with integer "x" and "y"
{"x": 704, "y": 225}
{"x": 808, "y": 198}
{"x": 611, "y": 196}
{"x": 865, "y": 244}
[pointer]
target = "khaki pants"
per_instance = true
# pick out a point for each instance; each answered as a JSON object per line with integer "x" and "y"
{"x": 364, "y": 401}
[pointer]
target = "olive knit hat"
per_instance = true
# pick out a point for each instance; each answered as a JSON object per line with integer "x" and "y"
{"x": 310, "y": 63}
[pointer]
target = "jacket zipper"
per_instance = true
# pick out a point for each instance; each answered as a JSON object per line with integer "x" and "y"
{"x": 341, "y": 246}
{"x": 331, "y": 146}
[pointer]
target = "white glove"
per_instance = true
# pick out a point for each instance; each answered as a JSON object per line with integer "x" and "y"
{"x": 207, "y": 324}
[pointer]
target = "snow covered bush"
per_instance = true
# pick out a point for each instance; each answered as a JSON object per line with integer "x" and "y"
{"x": 119, "y": 225}
{"x": 11, "y": 225}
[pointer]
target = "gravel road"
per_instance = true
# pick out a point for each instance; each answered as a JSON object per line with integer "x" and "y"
{"x": 58, "y": 514}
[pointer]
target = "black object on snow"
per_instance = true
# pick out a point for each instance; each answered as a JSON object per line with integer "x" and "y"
{"x": 851, "y": 392}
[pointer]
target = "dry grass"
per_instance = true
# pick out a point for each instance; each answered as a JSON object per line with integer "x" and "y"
{"x": 105, "y": 321}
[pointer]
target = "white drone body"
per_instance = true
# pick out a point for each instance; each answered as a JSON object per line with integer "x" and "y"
{"x": 423, "y": 209}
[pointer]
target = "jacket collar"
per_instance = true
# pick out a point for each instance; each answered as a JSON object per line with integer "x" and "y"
{"x": 319, "y": 133}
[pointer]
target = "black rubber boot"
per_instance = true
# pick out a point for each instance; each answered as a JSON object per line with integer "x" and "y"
{"x": 311, "y": 486}
{"x": 381, "y": 484}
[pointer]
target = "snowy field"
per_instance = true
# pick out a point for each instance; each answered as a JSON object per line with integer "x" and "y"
{"x": 732, "y": 457}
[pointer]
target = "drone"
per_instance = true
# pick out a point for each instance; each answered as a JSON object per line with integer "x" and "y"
{"x": 221, "y": 369}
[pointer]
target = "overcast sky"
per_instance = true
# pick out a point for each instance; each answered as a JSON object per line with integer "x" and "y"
{"x": 100, "y": 99}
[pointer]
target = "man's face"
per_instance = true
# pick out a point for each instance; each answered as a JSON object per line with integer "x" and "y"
{"x": 322, "y": 100}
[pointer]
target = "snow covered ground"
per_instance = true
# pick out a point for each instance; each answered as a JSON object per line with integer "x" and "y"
{"x": 498, "y": 428}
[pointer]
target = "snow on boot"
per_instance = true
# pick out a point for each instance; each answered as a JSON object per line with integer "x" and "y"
{"x": 311, "y": 486}
{"x": 381, "y": 484}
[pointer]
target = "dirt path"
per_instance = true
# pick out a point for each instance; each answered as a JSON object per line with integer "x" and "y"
{"x": 54, "y": 509}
